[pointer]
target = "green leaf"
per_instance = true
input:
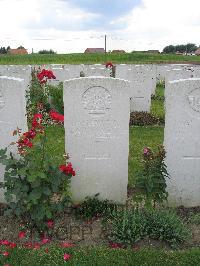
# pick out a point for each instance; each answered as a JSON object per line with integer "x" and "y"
{"x": 49, "y": 214}
{"x": 22, "y": 171}
{"x": 42, "y": 175}
{"x": 46, "y": 191}
{"x": 31, "y": 178}
{"x": 3, "y": 152}
{"x": 35, "y": 194}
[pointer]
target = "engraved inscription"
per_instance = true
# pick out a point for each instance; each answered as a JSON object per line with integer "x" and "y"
{"x": 191, "y": 157}
{"x": 194, "y": 99}
{"x": 96, "y": 100}
{"x": 2, "y": 102}
{"x": 97, "y": 128}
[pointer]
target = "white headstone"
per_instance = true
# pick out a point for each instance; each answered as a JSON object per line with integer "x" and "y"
{"x": 121, "y": 70}
{"x": 182, "y": 141}
{"x": 97, "y": 136}
{"x": 140, "y": 77}
{"x": 74, "y": 70}
{"x": 97, "y": 71}
{"x": 12, "y": 114}
{"x": 17, "y": 71}
{"x": 162, "y": 70}
{"x": 61, "y": 75}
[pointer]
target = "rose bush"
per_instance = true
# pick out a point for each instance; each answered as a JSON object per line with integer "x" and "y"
{"x": 35, "y": 189}
{"x": 151, "y": 182}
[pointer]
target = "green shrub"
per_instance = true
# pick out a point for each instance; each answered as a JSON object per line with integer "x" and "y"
{"x": 56, "y": 97}
{"x": 166, "y": 225}
{"x": 35, "y": 188}
{"x": 144, "y": 119}
{"x": 195, "y": 219}
{"x": 92, "y": 207}
{"x": 127, "y": 227}
{"x": 130, "y": 226}
{"x": 151, "y": 181}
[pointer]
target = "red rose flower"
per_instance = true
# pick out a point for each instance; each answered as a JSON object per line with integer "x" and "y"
{"x": 116, "y": 245}
{"x": 56, "y": 116}
{"x": 5, "y": 242}
{"x": 28, "y": 245}
{"x": 67, "y": 245}
{"x": 67, "y": 169}
{"x": 12, "y": 245}
{"x": 6, "y": 253}
{"x": 44, "y": 75}
{"x": 66, "y": 257}
{"x": 36, "y": 246}
{"x": 21, "y": 234}
{"x": 37, "y": 120}
{"x": 45, "y": 240}
{"x": 50, "y": 223}
{"x": 109, "y": 64}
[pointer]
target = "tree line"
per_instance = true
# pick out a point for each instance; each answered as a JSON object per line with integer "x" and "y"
{"x": 182, "y": 48}
{"x": 4, "y": 50}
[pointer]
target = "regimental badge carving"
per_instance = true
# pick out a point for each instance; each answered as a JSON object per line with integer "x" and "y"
{"x": 2, "y": 102}
{"x": 96, "y": 100}
{"x": 194, "y": 99}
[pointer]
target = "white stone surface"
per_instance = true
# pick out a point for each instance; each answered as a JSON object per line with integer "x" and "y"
{"x": 96, "y": 71}
{"x": 176, "y": 74}
{"x": 121, "y": 70}
{"x": 140, "y": 77}
{"x": 96, "y": 122}
{"x": 162, "y": 70}
{"x": 152, "y": 72}
{"x": 183, "y": 72}
{"x": 18, "y": 71}
{"x": 12, "y": 114}
{"x": 74, "y": 70}
{"x": 182, "y": 141}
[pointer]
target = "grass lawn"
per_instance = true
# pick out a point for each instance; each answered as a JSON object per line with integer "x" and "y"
{"x": 157, "y": 104}
{"x": 139, "y": 138}
{"x": 131, "y": 58}
{"x": 101, "y": 256}
{"x": 157, "y": 108}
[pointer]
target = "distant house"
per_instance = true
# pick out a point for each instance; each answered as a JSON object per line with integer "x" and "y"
{"x": 153, "y": 51}
{"x": 118, "y": 52}
{"x": 17, "y": 51}
{"x": 94, "y": 51}
{"x": 179, "y": 53}
{"x": 197, "y": 52}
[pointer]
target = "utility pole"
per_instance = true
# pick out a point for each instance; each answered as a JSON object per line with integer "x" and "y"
{"x": 105, "y": 43}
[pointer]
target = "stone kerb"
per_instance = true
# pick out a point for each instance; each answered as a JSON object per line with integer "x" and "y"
{"x": 12, "y": 114}
{"x": 182, "y": 142}
{"x": 97, "y": 112}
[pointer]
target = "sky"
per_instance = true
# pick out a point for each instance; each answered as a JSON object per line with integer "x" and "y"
{"x": 71, "y": 26}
